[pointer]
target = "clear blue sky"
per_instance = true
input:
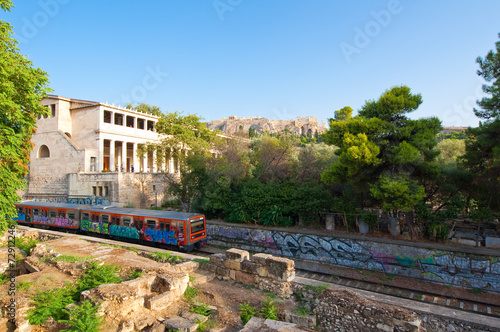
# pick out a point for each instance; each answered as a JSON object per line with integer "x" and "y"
{"x": 276, "y": 59}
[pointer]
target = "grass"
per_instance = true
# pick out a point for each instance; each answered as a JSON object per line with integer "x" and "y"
{"x": 24, "y": 285}
{"x": 302, "y": 311}
{"x": 191, "y": 293}
{"x": 26, "y": 244}
{"x": 135, "y": 274}
{"x": 201, "y": 309}
{"x": 72, "y": 259}
{"x": 419, "y": 296}
{"x": 202, "y": 261}
{"x": 204, "y": 326}
{"x": 3, "y": 279}
{"x": 164, "y": 257}
{"x": 476, "y": 291}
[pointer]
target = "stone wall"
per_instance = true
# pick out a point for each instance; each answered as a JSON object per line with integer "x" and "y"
{"x": 448, "y": 265}
{"x": 264, "y": 271}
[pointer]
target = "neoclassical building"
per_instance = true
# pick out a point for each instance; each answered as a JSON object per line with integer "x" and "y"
{"x": 87, "y": 152}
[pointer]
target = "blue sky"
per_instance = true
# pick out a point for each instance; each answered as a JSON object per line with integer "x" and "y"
{"x": 276, "y": 59}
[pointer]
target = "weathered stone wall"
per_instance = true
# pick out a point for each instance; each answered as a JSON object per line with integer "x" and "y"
{"x": 264, "y": 271}
{"x": 449, "y": 264}
{"x": 345, "y": 311}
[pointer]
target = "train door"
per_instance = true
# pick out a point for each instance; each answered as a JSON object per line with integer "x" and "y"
{"x": 27, "y": 213}
{"x": 52, "y": 215}
{"x": 85, "y": 221}
{"x": 168, "y": 236}
{"x": 72, "y": 218}
{"x": 104, "y": 223}
{"x": 139, "y": 226}
{"x": 179, "y": 230}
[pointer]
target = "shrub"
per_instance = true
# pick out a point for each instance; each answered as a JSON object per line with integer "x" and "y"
{"x": 247, "y": 311}
{"x": 136, "y": 274}
{"x": 52, "y": 303}
{"x": 269, "y": 310}
{"x": 26, "y": 244}
{"x": 97, "y": 275}
{"x": 201, "y": 309}
{"x": 83, "y": 318}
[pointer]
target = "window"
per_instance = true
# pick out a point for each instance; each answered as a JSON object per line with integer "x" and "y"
{"x": 140, "y": 123}
{"x": 106, "y": 192}
{"x": 126, "y": 221}
{"x": 107, "y": 117}
{"x": 151, "y": 125}
{"x": 85, "y": 216}
{"x": 197, "y": 225}
{"x": 35, "y": 212}
{"x": 43, "y": 152}
{"x": 52, "y": 213}
{"x": 20, "y": 210}
{"x": 119, "y": 119}
{"x": 151, "y": 224}
{"x": 71, "y": 215}
{"x": 100, "y": 191}
{"x": 53, "y": 109}
{"x": 94, "y": 191}
{"x": 130, "y": 121}
{"x": 105, "y": 218}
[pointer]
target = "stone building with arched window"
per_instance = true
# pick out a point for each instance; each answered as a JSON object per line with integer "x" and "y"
{"x": 87, "y": 152}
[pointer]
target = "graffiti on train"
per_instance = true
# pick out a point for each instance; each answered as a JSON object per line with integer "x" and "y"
{"x": 63, "y": 222}
{"x": 123, "y": 231}
{"x": 95, "y": 226}
{"x": 156, "y": 235}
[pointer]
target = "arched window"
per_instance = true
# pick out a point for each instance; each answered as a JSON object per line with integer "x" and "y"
{"x": 43, "y": 152}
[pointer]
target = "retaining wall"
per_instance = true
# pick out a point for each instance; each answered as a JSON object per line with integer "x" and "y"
{"x": 444, "y": 264}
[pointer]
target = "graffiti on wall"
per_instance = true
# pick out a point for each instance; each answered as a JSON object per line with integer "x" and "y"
{"x": 89, "y": 201}
{"x": 444, "y": 267}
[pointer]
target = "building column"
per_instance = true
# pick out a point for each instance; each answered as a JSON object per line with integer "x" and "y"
{"x": 123, "y": 164}
{"x": 112, "y": 155}
{"x": 155, "y": 166}
{"x": 100, "y": 158}
{"x": 134, "y": 163}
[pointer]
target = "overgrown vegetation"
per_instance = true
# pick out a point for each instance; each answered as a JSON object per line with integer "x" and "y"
{"x": 26, "y": 244}
{"x": 247, "y": 311}
{"x": 164, "y": 257}
{"x": 83, "y": 318}
{"x": 201, "y": 261}
{"x": 201, "y": 309}
{"x": 269, "y": 310}
{"x": 136, "y": 274}
{"x": 53, "y": 302}
{"x": 191, "y": 293}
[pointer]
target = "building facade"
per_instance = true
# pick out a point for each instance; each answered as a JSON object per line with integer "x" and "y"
{"x": 86, "y": 152}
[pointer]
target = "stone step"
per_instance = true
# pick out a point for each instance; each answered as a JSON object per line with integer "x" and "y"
{"x": 180, "y": 324}
{"x": 200, "y": 277}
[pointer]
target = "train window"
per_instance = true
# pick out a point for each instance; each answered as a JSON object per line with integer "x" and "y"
{"x": 61, "y": 214}
{"x": 126, "y": 221}
{"x": 105, "y": 218}
{"x": 52, "y": 213}
{"x": 20, "y": 210}
{"x": 113, "y": 220}
{"x": 151, "y": 224}
{"x": 197, "y": 225}
{"x": 141, "y": 223}
{"x": 85, "y": 216}
{"x": 35, "y": 212}
{"x": 162, "y": 225}
{"x": 71, "y": 215}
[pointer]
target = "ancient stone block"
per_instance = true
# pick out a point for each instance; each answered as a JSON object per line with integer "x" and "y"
{"x": 260, "y": 258}
{"x": 222, "y": 271}
{"x": 161, "y": 301}
{"x": 143, "y": 322}
{"x": 263, "y": 271}
{"x": 234, "y": 265}
{"x": 188, "y": 266}
{"x": 232, "y": 274}
{"x": 167, "y": 282}
{"x": 246, "y": 278}
{"x": 280, "y": 268}
{"x": 218, "y": 259}
{"x": 249, "y": 267}
{"x": 237, "y": 255}
{"x": 180, "y": 324}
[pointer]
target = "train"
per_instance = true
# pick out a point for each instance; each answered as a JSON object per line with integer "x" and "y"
{"x": 180, "y": 231}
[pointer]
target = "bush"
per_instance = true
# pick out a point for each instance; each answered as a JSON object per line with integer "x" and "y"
{"x": 26, "y": 244}
{"x": 83, "y": 318}
{"x": 97, "y": 275}
{"x": 269, "y": 310}
{"x": 247, "y": 311}
{"x": 52, "y": 303}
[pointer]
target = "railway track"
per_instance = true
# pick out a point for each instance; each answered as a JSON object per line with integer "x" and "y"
{"x": 476, "y": 307}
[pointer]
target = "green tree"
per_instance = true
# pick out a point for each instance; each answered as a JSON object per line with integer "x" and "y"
{"x": 22, "y": 87}
{"x": 382, "y": 151}
{"x": 482, "y": 156}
